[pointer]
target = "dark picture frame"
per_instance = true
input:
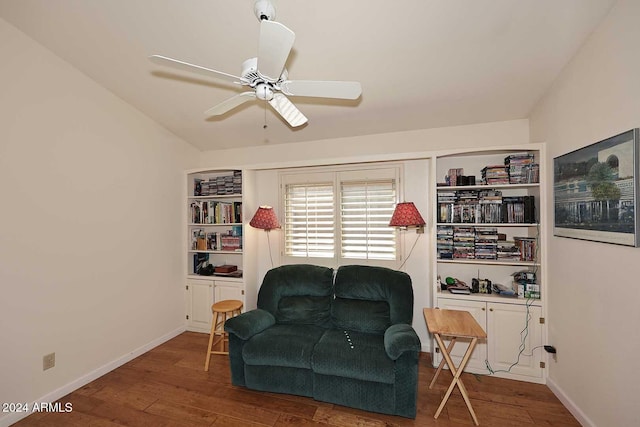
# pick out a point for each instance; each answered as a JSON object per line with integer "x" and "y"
{"x": 595, "y": 191}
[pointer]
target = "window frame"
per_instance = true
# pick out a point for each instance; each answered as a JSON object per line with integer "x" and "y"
{"x": 338, "y": 175}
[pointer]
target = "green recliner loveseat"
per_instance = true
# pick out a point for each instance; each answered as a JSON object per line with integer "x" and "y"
{"x": 346, "y": 340}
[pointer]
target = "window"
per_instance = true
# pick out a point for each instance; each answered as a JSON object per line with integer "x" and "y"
{"x": 309, "y": 220}
{"x": 366, "y": 208}
{"x": 340, "y": 216}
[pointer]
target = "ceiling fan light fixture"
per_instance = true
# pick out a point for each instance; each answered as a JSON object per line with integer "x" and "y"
{"x": 264, "y": 92}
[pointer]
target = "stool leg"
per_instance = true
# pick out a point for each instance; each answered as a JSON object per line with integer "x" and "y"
{"x": 218, "y": 342}
{"x": 225, "y": 337}
{"x": 211, "y": 335}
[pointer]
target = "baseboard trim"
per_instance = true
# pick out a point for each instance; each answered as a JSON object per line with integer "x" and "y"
{"x": 569, "y": 404}
{"x": 12, "y": 418}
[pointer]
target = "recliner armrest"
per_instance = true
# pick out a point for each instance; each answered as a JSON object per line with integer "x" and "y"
{"x": 400, "y": 338}
{"x": 247, "y": 324}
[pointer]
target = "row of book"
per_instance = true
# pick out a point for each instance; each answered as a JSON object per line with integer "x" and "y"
{"x": 218, "y": 185}
{"x": 216, "y": 241}
{"x": 483, "y": 243}
{"x": 485, "y": 207}
{"x": 518, "y": 168}
{"x": 522, "y": 168}
{"x": 216, "y": 212}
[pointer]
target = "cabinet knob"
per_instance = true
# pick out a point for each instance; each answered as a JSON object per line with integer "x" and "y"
{"x": 491, "y": 309}
{"x": 483, "y": 309}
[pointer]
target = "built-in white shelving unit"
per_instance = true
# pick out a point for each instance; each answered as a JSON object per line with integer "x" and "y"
{"x": 488, "y": 231}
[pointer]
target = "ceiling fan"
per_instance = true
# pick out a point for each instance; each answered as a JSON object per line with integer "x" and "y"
{"x": 266, "y": 73}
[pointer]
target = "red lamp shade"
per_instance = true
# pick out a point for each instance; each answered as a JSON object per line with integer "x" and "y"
{"x": 265, "y": 219}
{"x": 406, "y": 215}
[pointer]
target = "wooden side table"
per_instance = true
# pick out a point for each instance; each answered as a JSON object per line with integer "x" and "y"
{"x": 454, "y": 324}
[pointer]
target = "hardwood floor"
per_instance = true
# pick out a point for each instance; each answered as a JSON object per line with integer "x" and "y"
{"x": 168, "y": 387}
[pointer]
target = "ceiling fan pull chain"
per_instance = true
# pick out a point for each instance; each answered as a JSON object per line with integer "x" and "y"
{"x": 265, "y": 115}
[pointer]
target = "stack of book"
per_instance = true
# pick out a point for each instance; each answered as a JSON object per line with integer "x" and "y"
{"x": 237, "y": 182}
{"x": 486, "y": 242}
{"x": 463, "y": 243}
{"x": 495, "y": 175}
{"x": 229, "y": 242}
{"x": 444, "y": 242}
{"x": 522, "y": 169}
{"x": 218, "y": 186}
{"x": 507, "y": 250}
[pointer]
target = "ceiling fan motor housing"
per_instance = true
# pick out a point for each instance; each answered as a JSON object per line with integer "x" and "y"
{"x": 251, "y": 74}
{"x": 264, "y": 10}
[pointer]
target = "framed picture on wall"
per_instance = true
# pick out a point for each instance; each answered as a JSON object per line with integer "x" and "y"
{"x": 595, "y": 191}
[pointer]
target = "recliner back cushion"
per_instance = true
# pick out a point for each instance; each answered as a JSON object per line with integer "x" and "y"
{"x": 359, "y": 315}
{"x": 304, "y": 310}
{"x": 370, "y": 299}
{"x": 298, "y": 294}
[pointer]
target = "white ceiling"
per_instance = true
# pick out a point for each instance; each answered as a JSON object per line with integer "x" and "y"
{"x": 422, "y": 63}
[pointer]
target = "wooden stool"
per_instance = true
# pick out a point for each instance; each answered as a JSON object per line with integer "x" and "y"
{"x": 222, "y": 311}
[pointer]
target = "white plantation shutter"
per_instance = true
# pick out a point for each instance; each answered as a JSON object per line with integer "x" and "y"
{"x": 309, "y": 220}
{"x": 366, "y": 208}
{"x": 339, "y": 215}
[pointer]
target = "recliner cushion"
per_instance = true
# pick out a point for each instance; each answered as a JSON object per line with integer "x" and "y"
{"x": 351, "y": 354}
{"x": 298, "y": 281}
{"x": 360, "y": 315}
{"x": 373, "y": 285}
{"x": 304, "y": 310}
{"x": 283, "y": 345}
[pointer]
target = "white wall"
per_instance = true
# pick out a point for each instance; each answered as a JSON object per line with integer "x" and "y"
{"x": 386, "y": 146}
{"x": 594, "y": 293}
{"x": 91, "y": 225}
{"x": 401, "y": 146}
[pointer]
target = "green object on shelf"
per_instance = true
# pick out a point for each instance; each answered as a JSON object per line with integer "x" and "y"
{"x": 450, "y": 281}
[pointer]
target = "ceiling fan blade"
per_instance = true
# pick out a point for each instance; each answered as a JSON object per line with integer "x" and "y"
{"x": 322, "y": 89}
{"x": 276, "y": 42}
{"x": 185, "y": 66}
{"x": 287, "y": 110}
{"x": 230, "y": 104}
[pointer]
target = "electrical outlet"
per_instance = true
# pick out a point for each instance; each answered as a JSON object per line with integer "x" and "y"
{"x": 48, "y": 361}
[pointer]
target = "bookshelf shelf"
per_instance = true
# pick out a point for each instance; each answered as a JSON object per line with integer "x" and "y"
{"x": 487, "y": 187}
{"x": 222, "y": 224}
{"x": 492, "y": 233}
{"x": 215, "y": 252}
{"x": 235, "y": 280}
{"x": 488, "y": 262}
{"x": 489, "y": 224}
{"x": 216, "y": 197}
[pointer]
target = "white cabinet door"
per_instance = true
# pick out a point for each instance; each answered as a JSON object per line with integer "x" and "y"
{"x": 224, "y": 291}
{"x": 199, "y": 301}
{"x": 478, "y": 311}
{"x": 513, "y": 331}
